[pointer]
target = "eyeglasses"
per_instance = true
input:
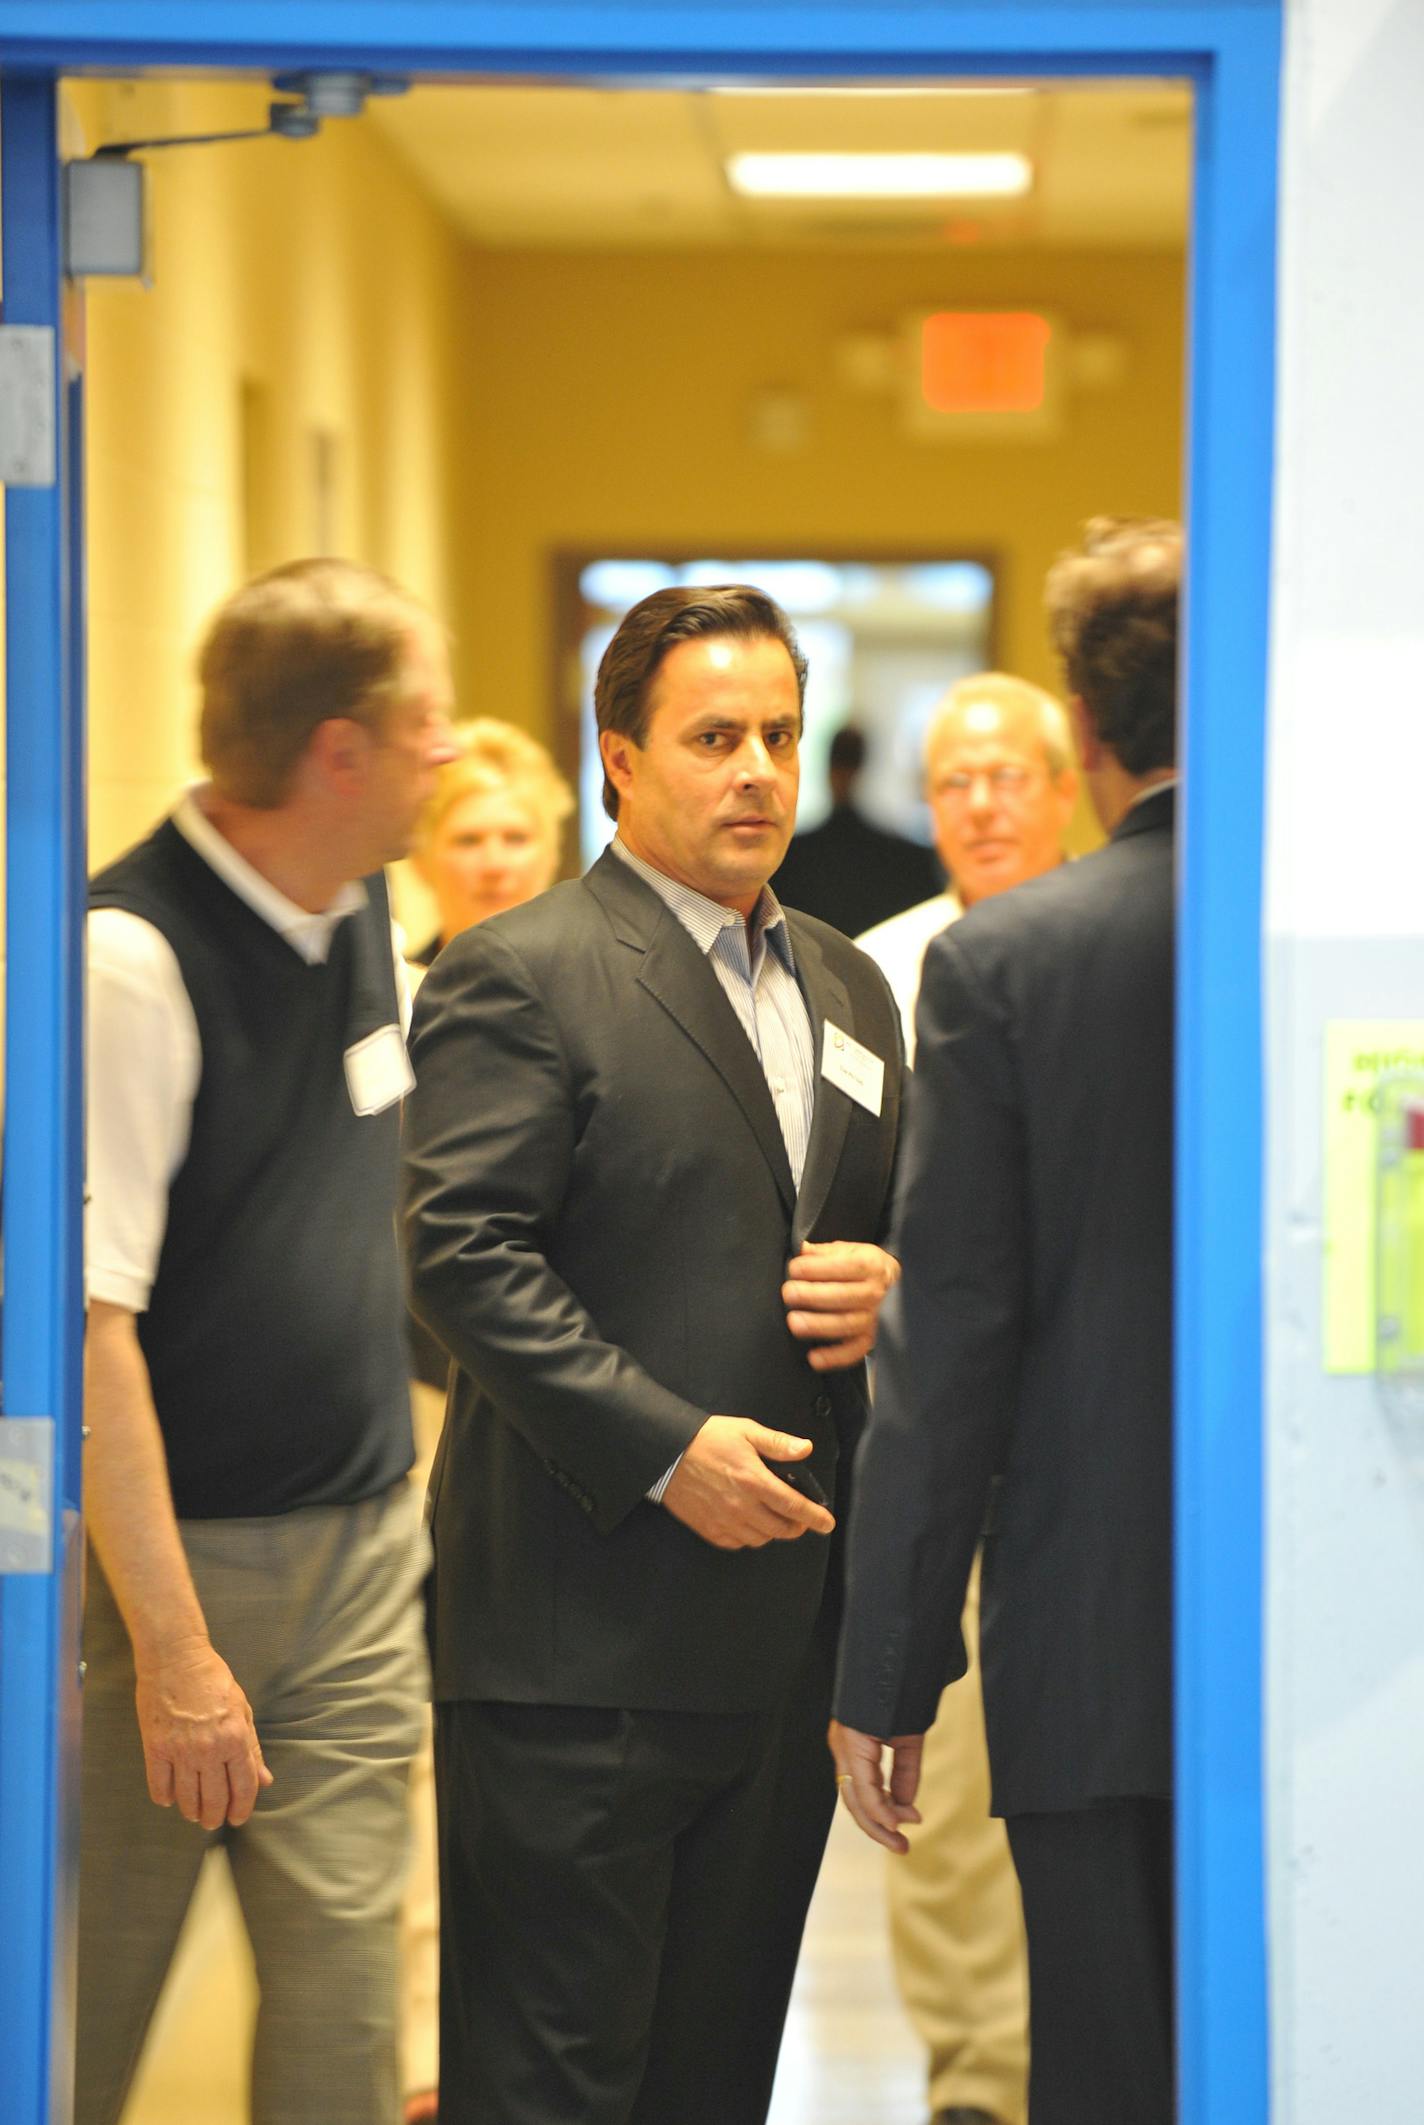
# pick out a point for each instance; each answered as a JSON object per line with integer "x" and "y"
{"x": 1007, "y": 782}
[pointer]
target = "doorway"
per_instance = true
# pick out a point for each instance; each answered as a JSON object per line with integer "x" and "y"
{"x": 1231, "y": 56}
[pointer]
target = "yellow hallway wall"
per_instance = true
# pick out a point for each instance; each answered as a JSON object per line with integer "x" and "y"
{"x": 608, "y": 405}
{"x": 489, "y": 408}
{"x": 297, "y": 288}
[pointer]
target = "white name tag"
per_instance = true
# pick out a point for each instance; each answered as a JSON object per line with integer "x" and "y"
{"x": 378, "y": 1071}
{"x": 845, "y": 1063}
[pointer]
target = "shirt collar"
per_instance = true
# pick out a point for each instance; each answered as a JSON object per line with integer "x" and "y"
{"x": 308, "y": 934}
{"x": 1154, "y": 789}
{"x": 704, "y": 920}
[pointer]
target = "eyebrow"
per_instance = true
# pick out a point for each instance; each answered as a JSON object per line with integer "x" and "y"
{"x": 985, "y": 767}
{"x": 713, "y": 719}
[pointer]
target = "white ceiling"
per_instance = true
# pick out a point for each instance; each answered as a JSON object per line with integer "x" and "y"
{"x": 573, "y": 167}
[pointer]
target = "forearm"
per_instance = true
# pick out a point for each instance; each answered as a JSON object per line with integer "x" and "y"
{"x": 487, "y": 1172}
{"x": 128, "y": 1505}
{"x": 584, "y": 1404}
{"x": 948, "y": 1362}
{"x": 905, "y": 1572}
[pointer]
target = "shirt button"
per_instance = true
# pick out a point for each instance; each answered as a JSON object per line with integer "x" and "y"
{"x": 821, "y": 1407}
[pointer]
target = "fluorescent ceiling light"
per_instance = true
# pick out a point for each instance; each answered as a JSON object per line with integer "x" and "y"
{"x": 856, "y": 176}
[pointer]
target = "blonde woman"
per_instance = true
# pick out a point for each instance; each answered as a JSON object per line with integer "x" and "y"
{"x": 488, "y": 839}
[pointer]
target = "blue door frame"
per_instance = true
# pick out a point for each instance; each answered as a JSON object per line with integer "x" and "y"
{"x": 43, "y": 1151}
{"x": 1231, "y": 53}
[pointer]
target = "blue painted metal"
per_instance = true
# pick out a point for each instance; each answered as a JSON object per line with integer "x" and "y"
{"x": 1221, "y": 1934}
{"x": 1230, "y": 50}
{"x": 39, "y": 1690}
{"x": 633, "y": 40}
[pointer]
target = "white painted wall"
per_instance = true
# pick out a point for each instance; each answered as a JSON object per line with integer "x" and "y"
{"x": 1345, "y": 900}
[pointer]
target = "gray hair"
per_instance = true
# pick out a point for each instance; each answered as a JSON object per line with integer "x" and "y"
{"x": 1015, "y": 696}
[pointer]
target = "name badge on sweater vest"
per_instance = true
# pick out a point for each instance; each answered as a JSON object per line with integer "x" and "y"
{"x": 378, "y": 1071}
{"x": 852, "y": 1067}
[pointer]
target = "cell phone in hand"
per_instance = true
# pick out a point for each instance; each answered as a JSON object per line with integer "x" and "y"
{"x": 799, "y": 1476}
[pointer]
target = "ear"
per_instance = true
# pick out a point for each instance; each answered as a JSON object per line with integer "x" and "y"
{"x": 339, "y": 753}
{"x": 1065, "y": 783}
{"x": 1085, "y": 734}
{"x": 616, "y": 750}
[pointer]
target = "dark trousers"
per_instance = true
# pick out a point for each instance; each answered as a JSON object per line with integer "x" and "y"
{"x": 1097, "y": 1900}
{"x": 622, "y": 1898}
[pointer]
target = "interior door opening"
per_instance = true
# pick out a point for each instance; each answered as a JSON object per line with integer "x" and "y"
{"x": 329, "y": 491}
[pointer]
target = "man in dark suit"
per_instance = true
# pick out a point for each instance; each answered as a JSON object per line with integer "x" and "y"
{"x": 1024, "y": 1381}
{"x": 850, "y": 872}
{"x": 650, "y": 1153}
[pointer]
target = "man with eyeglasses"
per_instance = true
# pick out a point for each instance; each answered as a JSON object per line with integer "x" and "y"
{"x": 1000, "y": 779}
{"x": 1001, "y": 784}
{"x": 252, "y": 1618}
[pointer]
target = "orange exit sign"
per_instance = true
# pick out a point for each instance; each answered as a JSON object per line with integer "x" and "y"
{"x": 984, "y": 361}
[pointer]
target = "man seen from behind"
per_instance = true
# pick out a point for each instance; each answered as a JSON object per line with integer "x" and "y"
{"x": 1024, "y": 1383}
{"x": 1001, "y": 785}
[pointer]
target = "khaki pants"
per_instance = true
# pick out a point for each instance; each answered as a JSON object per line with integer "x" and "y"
{"x": 318, "y": 1614}
{"x": 956, "y": 1926}
{"x": 420, "y": 1913}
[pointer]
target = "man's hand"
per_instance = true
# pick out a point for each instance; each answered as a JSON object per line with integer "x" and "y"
{"x": 723, "y": 1490}
{"x": 878, "y": 1809}
{"x": 200, "y": 1745}
{"x": 832, "y": 1295}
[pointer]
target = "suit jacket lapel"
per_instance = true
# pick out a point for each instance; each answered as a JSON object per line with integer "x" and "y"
{"x": 677, "y": 975}
{"x": 828, "y": 998}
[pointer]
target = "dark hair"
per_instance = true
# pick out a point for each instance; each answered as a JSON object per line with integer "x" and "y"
{"x": 622, "y": 692}
{"x": 307, "y": 641}
{"x": 1112, "y": 609}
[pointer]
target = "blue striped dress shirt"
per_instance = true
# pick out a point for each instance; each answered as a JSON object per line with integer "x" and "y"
{"x": 756, "y": 969}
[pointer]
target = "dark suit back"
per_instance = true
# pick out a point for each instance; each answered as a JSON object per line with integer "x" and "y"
{"x": 854, "y": 874}
{"x": 1037, "y": 1221}
{"x": 601, "y": 1211}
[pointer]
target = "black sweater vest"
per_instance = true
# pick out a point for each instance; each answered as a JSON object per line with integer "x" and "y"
{"x": 274, "y": 1333}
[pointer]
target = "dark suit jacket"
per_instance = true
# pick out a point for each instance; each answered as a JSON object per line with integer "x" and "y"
{"x": 600, "y": 1215}
{"x": 1028, "y": 1351}
{"x": 853, "y": 874}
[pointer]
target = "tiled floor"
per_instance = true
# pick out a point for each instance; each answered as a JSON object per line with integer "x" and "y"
{"x": 195, "y": 2066}
{"x": 849, "y": 2057}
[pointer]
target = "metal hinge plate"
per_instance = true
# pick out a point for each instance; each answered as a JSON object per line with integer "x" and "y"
{"x": 28, "y": 455}
{"x": 26, "y": 1494}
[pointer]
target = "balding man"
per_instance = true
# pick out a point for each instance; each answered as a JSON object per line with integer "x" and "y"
{"x": 253, "y": 1612}
{"x": 1001, "y": 784}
